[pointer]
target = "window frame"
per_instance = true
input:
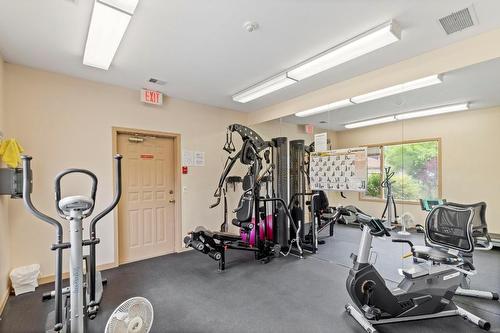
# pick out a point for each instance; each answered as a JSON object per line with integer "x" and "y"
{"x": 363, "y": 197}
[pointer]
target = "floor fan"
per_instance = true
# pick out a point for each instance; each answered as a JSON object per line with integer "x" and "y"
{"x": 406, "y": 221}
{"x": 135, "y": 315}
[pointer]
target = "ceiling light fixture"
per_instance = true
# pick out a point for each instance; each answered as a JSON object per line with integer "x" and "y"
{"x": 374, "y": 39}
{"x": 263, "y": 88}
{"x": 110, "y": 19}
{"x": 324, "y": 108}
{"x": 399, "y": 88}
{"x": 433, "y": 111}
{"x": 367, "y": 42}
{"x": 371, "y": 122}
{"x": 410, "y": 115}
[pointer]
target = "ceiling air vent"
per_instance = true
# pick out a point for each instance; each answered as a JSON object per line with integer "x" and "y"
{"x": 458, "y": 21}
{"x": 157, "y": 81}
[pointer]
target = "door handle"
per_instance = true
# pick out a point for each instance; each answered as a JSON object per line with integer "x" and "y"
{"x": 171, "y": 201}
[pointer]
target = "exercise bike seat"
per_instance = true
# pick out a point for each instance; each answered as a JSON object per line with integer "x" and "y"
{"x": 436, "y": 255}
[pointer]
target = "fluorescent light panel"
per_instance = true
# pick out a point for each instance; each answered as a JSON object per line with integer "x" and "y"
{"x": 324, "y": 108}
{"x": 125, "y": 5}
{"x": 263, "y": 88}
{"x": 411, "y": 115}
{"x": 365, "y": 43}
{"x": 433, "y": 111}
{"x": 371, "y": 122}
{"x": 107, "y": 27}
{"x": 399, "y": 88}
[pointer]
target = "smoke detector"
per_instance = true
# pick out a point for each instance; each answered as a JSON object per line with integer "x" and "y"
{"x": 458, "y": 21}
{"x": 250, "y": 26}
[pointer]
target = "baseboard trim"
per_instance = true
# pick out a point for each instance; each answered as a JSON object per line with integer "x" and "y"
{"x": 124, "y": 262}
{"x": 50, "y": 278}
{"x": 3, "y": 300}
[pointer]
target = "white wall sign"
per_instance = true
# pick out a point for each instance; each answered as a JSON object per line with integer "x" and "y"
{"x": 339, "y": 170}
{"x": 320, "y": 142}
{"x": 199, "y": 158}
{"x": 187, "y": 158}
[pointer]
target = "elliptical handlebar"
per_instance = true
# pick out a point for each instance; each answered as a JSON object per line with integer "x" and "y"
{"x": 27, "y": 184}
{"x": 118, "y": 193}
{"x": 93, "y": 191}
{"x": 58, "y": 246}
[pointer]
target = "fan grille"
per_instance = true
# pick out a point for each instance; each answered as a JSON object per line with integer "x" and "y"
{"x": 133, "y": 307}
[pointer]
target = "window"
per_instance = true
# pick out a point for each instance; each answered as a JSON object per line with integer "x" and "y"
{"x": 416, "y": 168}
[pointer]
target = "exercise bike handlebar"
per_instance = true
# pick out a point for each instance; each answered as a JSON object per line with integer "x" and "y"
{"x": 93, "y": 191}
{"x": 116, "y": 199}
{"x": 376, "y": 226}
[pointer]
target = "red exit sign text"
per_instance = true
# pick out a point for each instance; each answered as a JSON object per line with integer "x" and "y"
{"x": 151, "y": 97}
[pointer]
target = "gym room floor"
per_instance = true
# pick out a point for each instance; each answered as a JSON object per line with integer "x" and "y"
{"x": 286, "y": 295}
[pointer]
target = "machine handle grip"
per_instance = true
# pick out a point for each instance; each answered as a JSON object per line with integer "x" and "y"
{"x": 116, "y": 199}
{"x": 215, "y": 204}
{"x": 60, "y": 176}
{"x": 404, "y": 241}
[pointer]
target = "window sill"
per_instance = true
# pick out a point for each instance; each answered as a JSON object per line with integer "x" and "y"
{"x": 400, "y": 202}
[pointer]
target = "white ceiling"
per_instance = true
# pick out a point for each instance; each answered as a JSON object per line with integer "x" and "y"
{"x": 478, "y": 84}
{"x": 204, "y": 54}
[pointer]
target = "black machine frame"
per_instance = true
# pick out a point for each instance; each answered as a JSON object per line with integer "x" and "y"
{"x": 274, "y": 153}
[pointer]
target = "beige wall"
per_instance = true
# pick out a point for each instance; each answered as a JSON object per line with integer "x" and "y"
{"x": 66, "y": 122}
{"x": 4, "y": 222}
{"x": 470, "y": 157}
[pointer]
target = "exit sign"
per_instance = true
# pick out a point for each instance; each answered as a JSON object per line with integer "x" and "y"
{"x": 151, "y": 97}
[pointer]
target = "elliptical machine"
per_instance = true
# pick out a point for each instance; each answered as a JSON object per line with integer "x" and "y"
{"x": 427, "y": 288}
{"x": 390, "y": 203}
{"x": 81, "y": 299}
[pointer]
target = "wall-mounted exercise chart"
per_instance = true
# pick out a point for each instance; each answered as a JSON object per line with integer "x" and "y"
{"x": 339, "y": 170}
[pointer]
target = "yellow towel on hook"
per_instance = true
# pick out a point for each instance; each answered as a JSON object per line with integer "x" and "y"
{"x": 11, "y": 150}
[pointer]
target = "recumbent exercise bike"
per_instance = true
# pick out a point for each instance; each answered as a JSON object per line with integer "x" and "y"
{"x": 428, "y": 287}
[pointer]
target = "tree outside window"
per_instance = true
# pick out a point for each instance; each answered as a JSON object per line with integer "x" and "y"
{"x": 416, "y": 167}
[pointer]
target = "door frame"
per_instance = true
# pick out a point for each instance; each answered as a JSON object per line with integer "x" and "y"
{"x": 177, "y": 183}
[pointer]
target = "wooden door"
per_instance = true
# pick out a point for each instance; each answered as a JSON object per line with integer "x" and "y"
{"x": 147, "y": 209}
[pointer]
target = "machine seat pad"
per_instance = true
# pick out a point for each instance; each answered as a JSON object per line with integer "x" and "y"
{"x": 226, "y": 236}
{"x": 327, "y": 216}
{"x": 222, "y": 236}
{"x": 436, "y": 255}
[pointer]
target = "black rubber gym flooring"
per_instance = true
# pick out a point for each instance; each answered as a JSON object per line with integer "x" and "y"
{"x": 286, "y": 295}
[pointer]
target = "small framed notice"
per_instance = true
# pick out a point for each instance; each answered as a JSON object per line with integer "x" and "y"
{"x": 321, "y": 142}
